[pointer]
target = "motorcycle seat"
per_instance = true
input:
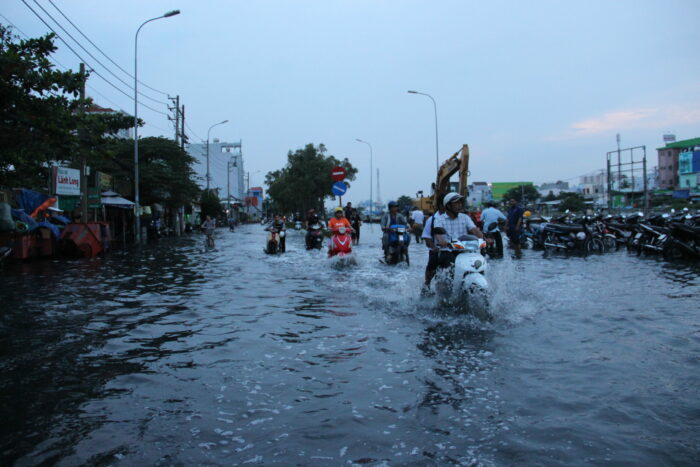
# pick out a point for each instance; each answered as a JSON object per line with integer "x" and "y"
{"x": 564, "y": 228}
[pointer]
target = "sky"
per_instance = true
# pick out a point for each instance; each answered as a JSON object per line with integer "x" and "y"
{"x": 538, "y": 90}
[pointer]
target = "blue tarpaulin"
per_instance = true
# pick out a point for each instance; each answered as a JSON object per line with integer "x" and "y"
{"x": 20, "y": 215}
{"x": 29, "y": 200}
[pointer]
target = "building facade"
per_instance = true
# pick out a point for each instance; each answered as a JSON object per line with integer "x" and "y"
{"x": 668, "y": 162}
{"x": 226, "y": 170}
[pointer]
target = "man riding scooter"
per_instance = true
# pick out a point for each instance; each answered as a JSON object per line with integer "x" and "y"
{"x": 278, "y": 226}
{"x": 393, "y": 217}
{"x": 339, "y": 225}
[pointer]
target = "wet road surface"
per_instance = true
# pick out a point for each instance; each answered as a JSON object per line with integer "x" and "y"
{"x": 173, "y": 355}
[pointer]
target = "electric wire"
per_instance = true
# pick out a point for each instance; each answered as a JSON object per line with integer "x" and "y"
{"x": 106, "y": 56}
{"x": 65, "y": 68}
{"x": 92, "y": 56}
{"x": 85, "y": 61}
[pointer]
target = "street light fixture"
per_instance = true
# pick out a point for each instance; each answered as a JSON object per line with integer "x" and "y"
{"x": 437, "y": 164}
{"x": 371, "y": 204}
{"x": 220, "y": 123}
{"x": 136, "y": 122}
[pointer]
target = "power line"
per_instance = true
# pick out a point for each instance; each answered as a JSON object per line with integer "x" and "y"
{"x": 106, "y": 56}
{"x": 195, "y": 134}
{"x": 91, "y": 55}
{"x": 85, "y": 61}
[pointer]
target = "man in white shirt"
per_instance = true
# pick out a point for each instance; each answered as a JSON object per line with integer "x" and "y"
{"x": 418, "y": 218}
{"x": 455, "y": 222}
{"x": 489, "y": 216}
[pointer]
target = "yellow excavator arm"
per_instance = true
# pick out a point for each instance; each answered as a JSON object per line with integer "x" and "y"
{"x": 457, "y": 163}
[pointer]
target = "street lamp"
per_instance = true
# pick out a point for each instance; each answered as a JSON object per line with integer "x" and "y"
{"x": 370, "y": 177}
{"x": 136, "y": 122}
{"x": 220, "y": 123}
{"x": 437, "y": 164}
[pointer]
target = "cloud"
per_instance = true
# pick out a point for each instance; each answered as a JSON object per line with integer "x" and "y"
{"x": 633, "y": 119}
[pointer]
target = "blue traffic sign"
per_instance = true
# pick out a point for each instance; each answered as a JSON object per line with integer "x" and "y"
{"x": 339, "y": 188}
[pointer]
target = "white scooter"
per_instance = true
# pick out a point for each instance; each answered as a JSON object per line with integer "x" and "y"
{"x": 465, "y": 285}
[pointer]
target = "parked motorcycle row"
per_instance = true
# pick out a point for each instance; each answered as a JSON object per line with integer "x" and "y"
{"x": 675, "y": 235}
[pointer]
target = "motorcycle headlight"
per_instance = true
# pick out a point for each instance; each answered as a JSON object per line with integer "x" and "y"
{"x": 581, "y": 235}
{"x": 477, "y": 264}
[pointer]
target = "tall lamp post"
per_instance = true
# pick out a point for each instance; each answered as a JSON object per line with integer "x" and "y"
{"x": 208, "y": 131}
{"x": 437, "y": 164}
{"x": 136, "y": 122}
{"x": 371, "y": 204}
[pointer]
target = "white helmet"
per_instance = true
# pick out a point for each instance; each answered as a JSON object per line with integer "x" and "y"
{"x": 450, "y": 197}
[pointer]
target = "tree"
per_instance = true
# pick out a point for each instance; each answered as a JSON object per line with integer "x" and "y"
{"x": 41, "y": 116}
{"x": 165, "y": 170}
{"x": 572, "y": 201}
{"x": 550, "y": 196}
{"x": 527, "y": 193}
{"x": 405, "y": 202}
{"x": 305, "y": 181}
{"x": 210, "y": 203}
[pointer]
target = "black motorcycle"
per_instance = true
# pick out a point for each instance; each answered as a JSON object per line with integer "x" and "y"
{"x": 571, "y": 237}
{"x": 683, "y": 241}
{"x": 314, "y": 237}
{"x": 493, "y": 249}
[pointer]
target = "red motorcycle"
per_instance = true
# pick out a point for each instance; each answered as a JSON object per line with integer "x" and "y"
{"x": 341, "y": 242}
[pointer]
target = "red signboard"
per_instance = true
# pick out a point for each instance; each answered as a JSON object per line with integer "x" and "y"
{"x": 338, "y": 173}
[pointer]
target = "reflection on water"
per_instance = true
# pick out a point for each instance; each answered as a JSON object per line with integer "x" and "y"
{"x": 176, "y": 355}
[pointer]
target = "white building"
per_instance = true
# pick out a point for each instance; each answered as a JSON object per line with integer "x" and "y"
{"x": 226, "y": 169}
{"x": 479, "y": 193}
{"x": 555, "y": 188}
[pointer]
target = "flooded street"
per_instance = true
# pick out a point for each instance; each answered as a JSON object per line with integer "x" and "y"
{"x": 172, "y": 355}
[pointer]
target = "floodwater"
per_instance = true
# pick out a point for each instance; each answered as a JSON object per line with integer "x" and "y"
{"x": 173, "y": 355}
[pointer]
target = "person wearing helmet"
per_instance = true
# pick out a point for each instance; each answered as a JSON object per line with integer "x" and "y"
{"x": 339, "y": 220}
{"x": 455, "y": 222}
{"x": 393, "y": 217}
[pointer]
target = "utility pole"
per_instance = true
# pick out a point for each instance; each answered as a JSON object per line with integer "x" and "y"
{"x": 182, "y": 128}
{"x": 176, "y": 118}
{"x": 83, "y": 168}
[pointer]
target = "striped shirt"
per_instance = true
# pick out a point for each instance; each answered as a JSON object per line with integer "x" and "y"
{"x": 460, "y": 225}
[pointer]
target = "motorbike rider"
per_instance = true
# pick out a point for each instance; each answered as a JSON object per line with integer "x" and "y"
{"x": 490, "y": 215}
{"x": 278, "y": 224}
{"x": 455, "y": 222}
{"x": 208, "y": 227}
{"x": 393, "y": 217}
{"x": 417, "y": 218}
{"x": 339, "y": 220}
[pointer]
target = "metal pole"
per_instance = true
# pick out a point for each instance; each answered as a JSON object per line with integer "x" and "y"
{"x": 646, "y": 188}
{"x": 371, "y": 204}
{"x": 137, "y": 199}
{"x": 208, "y": 132}
{"x": 228, "y": 189}
{"x": 437, "y": 150}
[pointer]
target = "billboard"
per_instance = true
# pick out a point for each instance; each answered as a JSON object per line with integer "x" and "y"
{"x": 498, "y": 189}
{"x": 66, "y": 181}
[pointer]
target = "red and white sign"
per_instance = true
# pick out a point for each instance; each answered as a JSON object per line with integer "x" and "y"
{"x": 67, "y": 181}
{"x": 338, "y": 173}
